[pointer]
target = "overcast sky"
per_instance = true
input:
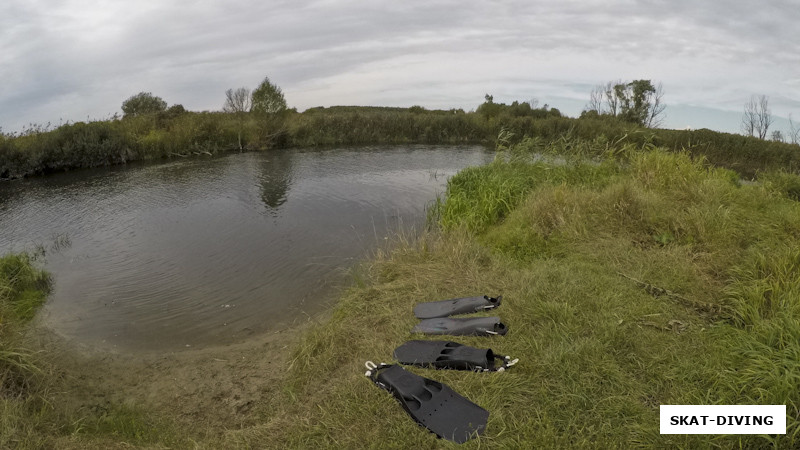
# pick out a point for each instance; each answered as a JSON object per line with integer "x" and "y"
{"x": 69, "y": 60}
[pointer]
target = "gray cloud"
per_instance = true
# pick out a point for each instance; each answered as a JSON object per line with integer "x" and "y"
{"x": 69, "y": 60}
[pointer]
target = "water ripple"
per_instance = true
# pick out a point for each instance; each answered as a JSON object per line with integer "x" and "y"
{"x": 209, "y": 251}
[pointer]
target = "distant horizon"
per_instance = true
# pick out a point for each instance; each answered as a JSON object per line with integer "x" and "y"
{"x": 64, "y": 62}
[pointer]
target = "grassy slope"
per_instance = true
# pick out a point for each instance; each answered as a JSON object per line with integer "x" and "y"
{"x": 582, "y": 254}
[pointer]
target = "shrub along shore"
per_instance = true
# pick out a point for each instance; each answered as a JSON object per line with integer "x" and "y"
{"x": 176, "y": 133}
{"x": 633, "y": 276}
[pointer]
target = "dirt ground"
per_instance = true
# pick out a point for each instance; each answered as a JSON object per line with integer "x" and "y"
{"x": 207, "y": 391}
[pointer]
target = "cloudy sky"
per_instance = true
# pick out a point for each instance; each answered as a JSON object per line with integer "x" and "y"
{"x": 73, "y": 60}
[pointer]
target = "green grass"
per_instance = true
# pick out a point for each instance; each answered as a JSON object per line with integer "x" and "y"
{"x": 655, "y": 281}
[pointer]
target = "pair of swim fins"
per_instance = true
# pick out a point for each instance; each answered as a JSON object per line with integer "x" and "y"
{"x": 431, "y": 404}
{"x": 436, "y": 320}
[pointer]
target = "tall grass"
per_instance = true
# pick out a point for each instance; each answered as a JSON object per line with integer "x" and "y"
{"x": 745, "y": 154}
{"x": 23, "y": 288}
{"x": 358, "y": 126}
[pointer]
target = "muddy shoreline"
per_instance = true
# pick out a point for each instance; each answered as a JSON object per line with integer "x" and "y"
{"x": 204, "y": 391}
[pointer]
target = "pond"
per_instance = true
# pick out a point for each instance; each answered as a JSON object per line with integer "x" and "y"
{"x": 202, "y": 252}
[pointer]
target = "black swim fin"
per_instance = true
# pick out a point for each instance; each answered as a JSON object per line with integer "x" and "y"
{"x": 474, "y": 326}
{"x": 430, "y": 403}
{"x": 465, "y": 305}
{"x": 451, "y": 355}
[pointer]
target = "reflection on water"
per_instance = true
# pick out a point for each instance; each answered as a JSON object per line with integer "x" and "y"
{"x": 275, "y": 177}
{"x": 210, "y": 251}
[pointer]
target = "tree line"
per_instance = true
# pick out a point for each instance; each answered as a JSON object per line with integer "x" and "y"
{"x": 267, "y": 98}
{"x": 639, "y": 102}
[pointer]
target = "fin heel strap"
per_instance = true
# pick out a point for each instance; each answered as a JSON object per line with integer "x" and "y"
{"x": 507, "y": 362}
{"x": 372, "y": 372}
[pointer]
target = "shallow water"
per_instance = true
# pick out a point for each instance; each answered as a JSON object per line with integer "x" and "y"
{"x": 202, "y": 252}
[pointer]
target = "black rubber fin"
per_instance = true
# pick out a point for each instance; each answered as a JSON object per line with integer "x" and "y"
{"x": 465, "y": 305}
{"x": 450, "y": 355}
{"x": 432, "y": 404}
{"x": 474, "y": 326}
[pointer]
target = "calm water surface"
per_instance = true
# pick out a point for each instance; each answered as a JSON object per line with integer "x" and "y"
{"x": 211, "y": 251}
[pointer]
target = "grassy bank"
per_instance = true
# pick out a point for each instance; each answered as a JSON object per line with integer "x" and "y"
{"x": 645, "y": 280}
{"x": 179, "y": 134}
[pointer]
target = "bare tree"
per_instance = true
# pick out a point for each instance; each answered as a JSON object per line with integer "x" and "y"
{"x": 757, "y": 117}
{"x": 238, "y": 102}
{"x": 794, "y": 132}
{"x": 596, "y": 99}
{"x": 605, "y": 99}
{"x": 764, "y": 118}
{"x": 655, "y": 115}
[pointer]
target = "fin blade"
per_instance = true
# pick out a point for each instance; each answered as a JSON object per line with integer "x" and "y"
{"x": 434, "y": 405}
